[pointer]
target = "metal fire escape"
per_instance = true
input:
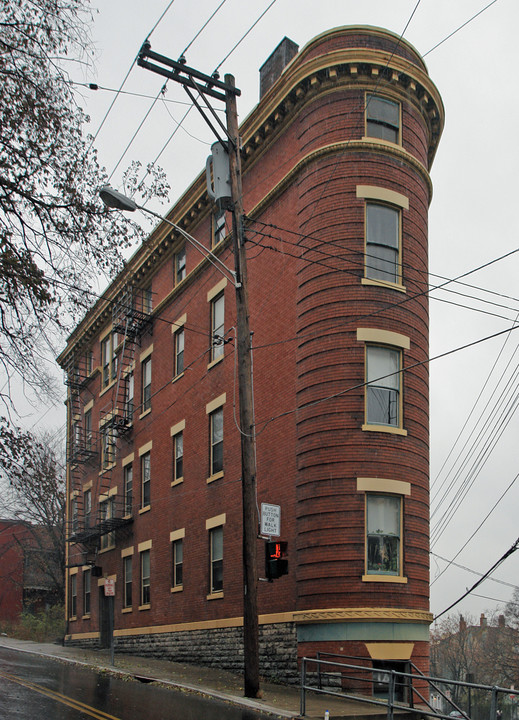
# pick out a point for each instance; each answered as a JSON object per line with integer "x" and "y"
{"x": 131, "y": 319}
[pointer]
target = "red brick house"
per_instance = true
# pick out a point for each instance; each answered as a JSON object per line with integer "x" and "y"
{"x": 29, "y": 570}
{"x": 336, "y": 160}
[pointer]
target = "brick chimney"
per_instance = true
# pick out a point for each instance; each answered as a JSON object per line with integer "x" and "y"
{"x": 482, "y": 620}
{"x": 501, "y": 621}
{"x": 276, "y": 63}
{"x": 463, "y": 624}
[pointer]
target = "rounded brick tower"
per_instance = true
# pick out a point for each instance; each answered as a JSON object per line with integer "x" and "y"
{"x": 368, "y": 132}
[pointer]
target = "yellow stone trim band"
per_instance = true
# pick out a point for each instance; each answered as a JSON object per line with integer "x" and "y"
{"x": 363, "y": 614}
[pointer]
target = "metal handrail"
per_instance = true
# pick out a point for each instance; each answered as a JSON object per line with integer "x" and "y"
{"x": 393, "y": 675}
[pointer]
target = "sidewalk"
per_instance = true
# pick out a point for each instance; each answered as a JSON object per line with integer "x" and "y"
{"x": 280, "y": 701}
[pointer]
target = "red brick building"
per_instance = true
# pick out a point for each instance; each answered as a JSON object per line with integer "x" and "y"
{"x": 30, "y": 572}
{"x": 336, "y": 159}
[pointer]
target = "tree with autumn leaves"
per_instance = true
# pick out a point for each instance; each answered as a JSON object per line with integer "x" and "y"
{"x": 56, "y": 237}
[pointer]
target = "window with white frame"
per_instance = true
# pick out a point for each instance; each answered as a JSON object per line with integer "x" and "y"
{"x": 383, "y": 389}
{"x": 107, "y": 446}
{"x": 89, "y": 362}
{"x": 147, "y": 300}
{"x": 88, "y": 431}
{"x": 217, "y": 326}
{"x": 383, "y": 534}
{"x": 219, "y": 229}
{"x": 106, "y": 513}
{"x": 177, "y": 562}
{"x": 178, "y": 457}
{"x": 87, "y": 577}
{"x": 179, "y": 265}
{"x": 128, "y": 489}
{"x": 129, "y": 390}
{"x": 145, "y": 562}
{"x": 383, "y": 243}
{"x": 87, "y": 507}
{"x": 73, "y": 596}
{"x": 146, "y": 384}
{"x": 216, "y": 445}
{"x": 145, "y": 479}
{"x": 216, "y": 559}
{"x": 127, "y": 581}
{"x": 74, "y": 514}
{"x": 178, "y": 339}
{"x": 382, "y": 118}
{"x": 108, "y": 358}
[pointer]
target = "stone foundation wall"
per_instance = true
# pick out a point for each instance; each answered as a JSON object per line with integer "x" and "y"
{"x": 222, "y": 648}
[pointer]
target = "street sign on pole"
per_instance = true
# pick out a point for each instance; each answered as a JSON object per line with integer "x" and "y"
{"x": 270, "y": 520}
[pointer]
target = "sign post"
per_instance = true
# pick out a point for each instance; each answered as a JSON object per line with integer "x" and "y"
{"x": 110, "y": 594}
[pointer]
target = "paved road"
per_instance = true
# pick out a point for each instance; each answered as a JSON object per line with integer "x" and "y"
{"x": 38, "y": 688}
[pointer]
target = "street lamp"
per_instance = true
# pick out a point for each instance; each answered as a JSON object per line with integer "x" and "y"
{"x": 115, "y": 200}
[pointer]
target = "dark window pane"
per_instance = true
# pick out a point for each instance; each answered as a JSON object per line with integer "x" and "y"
{"x": 382, "y": 406}
{"x": 383, "y": 554}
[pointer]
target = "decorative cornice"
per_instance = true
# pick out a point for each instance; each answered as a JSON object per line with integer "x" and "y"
{"x": 363, "y": 615}
{"x": 348, "y": 146}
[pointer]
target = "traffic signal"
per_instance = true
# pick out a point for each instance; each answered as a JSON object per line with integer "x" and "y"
{"x": 276, "y": 563}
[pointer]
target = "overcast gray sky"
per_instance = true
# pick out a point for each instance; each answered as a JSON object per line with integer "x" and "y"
{"x": 472, "y": 220}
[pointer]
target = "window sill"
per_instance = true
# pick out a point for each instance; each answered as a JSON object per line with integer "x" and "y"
{"x": 381, "y": 284}
{"x": 146, "y": 412}
{"x": 379, "y": 141}
{"x": 177, "y": 377}
{"x": 214, "y": 477}
{"x": 127, "y": 610}
{"x": 178, "y": 481}
{"x": 106, "y": 549}
{"x": 384, "y": 429}
{"x": 128, "y": 516}
{"x": 215, "y": 361}
{"x": 107, "y": 388}
{"x": 215, "y": 595}
{"x": 145, "y": 509}
{"x": 85, "y": 617}
{"x": 177, "y": 588}
{"x": 384, "y": 578}
{"x": 108, "y": 468}
{"x": 145, "y": 607}
{"x": 73, "y": 618}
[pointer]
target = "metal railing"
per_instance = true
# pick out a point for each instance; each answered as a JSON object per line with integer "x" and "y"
{"x": 418, "y": 687}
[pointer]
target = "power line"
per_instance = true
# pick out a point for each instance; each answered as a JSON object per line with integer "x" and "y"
{"x": 459, "y": 28}
{"x": 265, "y": 423}
{"x": 476, "y": 530}
{"x": 503, "y": 557}
{"x": 243, "y": 36}
{"x": 94, "y": 137}
{"x": 380, "y": 310}
{"x": 203, "y": 28}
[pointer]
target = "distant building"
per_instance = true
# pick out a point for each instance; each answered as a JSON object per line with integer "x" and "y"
{"x": 29, "y": 569}
{"x": 484, "y": 653}
{"x": 336, "y": 160}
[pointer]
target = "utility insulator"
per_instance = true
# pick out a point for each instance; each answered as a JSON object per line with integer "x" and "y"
{"x": 218, "y": 176}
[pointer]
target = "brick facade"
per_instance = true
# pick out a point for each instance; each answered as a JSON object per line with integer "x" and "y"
{"x": 311, "y": 167}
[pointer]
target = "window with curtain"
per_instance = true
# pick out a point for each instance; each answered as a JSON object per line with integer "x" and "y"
{"x": 383, "y": 365}
{"x": 383, "y": 534}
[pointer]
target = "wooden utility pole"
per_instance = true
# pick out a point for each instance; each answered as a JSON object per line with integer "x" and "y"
{"x": 248, "y": 458}
{"x": 197, "y": 83}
